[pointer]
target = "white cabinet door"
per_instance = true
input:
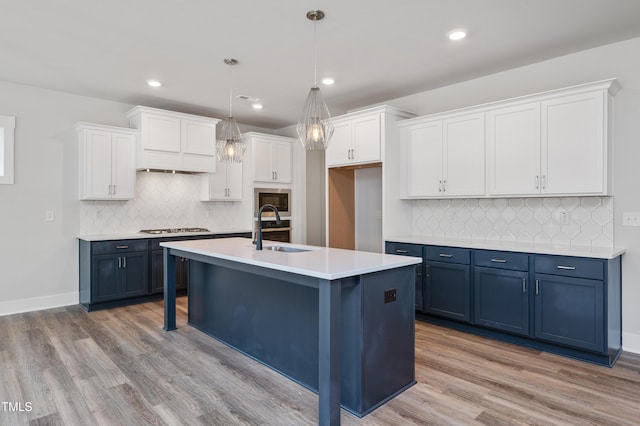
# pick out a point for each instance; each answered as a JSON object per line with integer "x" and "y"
{"x": 573, "y": 144}
{"x": 234, "y": 181}
{"x": 464, "y": 156}
{"x": 96, "y": 165}
{"x": 513, "y": 139}
{"x": 366, "y": 139}
{"x": 262, "y": 166}
{"x": 214, "y": 185}
{"x": 425, "y": 159}
{"x": 339, "y": 149}
{"x": 198, "y": 137}
{"x": 123, "y": 166}
{"x": 282, "y": 161}
{"x": 161, "y": 133}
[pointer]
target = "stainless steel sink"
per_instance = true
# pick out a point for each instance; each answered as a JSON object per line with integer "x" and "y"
{"x": 286, "y": 249}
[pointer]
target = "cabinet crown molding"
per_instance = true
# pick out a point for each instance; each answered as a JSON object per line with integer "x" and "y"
{"x": 140, "y": 108}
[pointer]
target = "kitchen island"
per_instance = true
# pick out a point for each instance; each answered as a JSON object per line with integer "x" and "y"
{"x": 339, "y": 322}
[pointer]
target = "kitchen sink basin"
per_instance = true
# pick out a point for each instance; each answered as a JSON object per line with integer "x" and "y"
{"x": 286, "y": 249}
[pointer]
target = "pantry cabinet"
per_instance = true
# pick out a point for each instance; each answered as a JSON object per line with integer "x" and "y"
{"x": 106, "y": 162}
{"x": 174, "y": 141}
{"x": 271, "y": 158}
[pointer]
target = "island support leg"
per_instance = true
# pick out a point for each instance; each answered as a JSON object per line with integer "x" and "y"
{"x": 329, "y": 352}
{"x": 169, "y": 266}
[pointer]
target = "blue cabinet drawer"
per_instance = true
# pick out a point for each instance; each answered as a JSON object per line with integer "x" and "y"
{"x": 119, "y": 246}
{"x": 403, "y": 249}
{"x": 448, "y": 254}
{"x": 570, "y": 267}
{"x": 502, "y": 260}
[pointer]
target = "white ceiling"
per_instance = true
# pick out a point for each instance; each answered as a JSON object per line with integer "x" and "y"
{"x": 376, "y": 50}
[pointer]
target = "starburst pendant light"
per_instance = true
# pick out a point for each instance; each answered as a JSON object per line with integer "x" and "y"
{"x": 315, "y": 127}
{"x": 230, "y": 147}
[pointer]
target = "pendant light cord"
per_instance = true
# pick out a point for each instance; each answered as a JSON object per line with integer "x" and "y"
{"x": 315, "y": 53}
{"x": 230, "y": 93}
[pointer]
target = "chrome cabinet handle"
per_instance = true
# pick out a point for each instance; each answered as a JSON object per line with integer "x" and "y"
{"x": 114, "y": 189}
{"x": 119, "y": 262}
{"x": 544, "y": 181}
{"x": 568, "y": 268}
{"x": 537, "y": 182}
{"x": 446, "y": 255}
{"x": 499, "y": 260}
{"x": 444, "y": 186}
{"x": 428, "y": 271}
{"x": 524, "y": 285}
{"x": 537, "y": 287}
{"x": 402, "y": 251}
{"x": 353, "y": 154}
{"x": 440, "y": 186}
{"x": 122, "y": 247}
{"x": 276, "y": 172}
{"x": 110, "y": 190}
{"x": 124, "y": 262}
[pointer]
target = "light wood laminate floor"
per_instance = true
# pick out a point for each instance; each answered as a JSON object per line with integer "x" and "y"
{"x": 118, "y": 367}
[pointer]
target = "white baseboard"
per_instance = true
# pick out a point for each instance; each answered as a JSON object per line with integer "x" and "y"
{"x": 38, "y": 303}
{"x": 631, "y": 342}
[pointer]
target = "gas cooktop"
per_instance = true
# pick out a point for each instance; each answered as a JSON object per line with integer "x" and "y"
{"x": 173, "y": 230}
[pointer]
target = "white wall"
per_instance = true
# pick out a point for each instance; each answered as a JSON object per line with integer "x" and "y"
{"x": 38, "y": 259}
{"x": 620, "y": 60}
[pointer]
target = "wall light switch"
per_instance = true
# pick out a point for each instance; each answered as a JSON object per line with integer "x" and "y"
{"x": 631, "y": 219}
{"x": 49, "y": 216}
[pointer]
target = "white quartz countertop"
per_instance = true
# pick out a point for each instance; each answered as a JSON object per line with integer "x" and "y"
{"x": 139, "y": 235}
{"x": 319, "y": 262}
{"x": 560, "y": 250}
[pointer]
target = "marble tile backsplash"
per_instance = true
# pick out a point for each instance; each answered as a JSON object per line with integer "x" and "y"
{"x": 163, "y": 200}
{"x": 589, "y": 220}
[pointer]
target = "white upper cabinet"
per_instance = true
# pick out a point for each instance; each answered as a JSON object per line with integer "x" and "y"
{"x": 513, "y": 164}
{"x": 574, "y": 153}
{"x": 356, "y": 140}
{"x": 549, "y": 144}
{"x": 223, "y": 185}
{"x": 444, "y": 157}
{"x": 556, "y": 145}
{"x": 272, "y": 158}
{"x": 174, "y": 141}
{"x": 106, "y": 162}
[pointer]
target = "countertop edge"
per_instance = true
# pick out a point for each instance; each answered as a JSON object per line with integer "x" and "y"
{"x": 575, "y": 251}
{"x": 400, "y": 261}
{"x": 140, "y": 235}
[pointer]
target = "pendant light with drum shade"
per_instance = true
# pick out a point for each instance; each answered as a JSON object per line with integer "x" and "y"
{"x": 315, "y": 127}
{"x": 230, "y": 147}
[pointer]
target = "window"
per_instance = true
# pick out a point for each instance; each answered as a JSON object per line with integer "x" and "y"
{"x": 7, "y": 126}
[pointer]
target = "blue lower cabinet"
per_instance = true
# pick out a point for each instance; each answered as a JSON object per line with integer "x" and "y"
{"x": 570, "y": 311}
{"x": 448, "y": 290}
{"x": 501, "y": 299}
{"x": 407, "y": 249}
{"x": 119, "y": 276}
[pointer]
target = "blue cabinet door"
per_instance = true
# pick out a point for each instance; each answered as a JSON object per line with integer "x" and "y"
{"x": 570, "y": 311}
{"x": 134, "y": 273}
{"x": 501, "y": 299}
{"x": 105, "y": 278}
{"x": 448, "y": 290}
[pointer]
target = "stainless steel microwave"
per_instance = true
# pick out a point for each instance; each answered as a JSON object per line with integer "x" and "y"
{"x": 281, "y": 198}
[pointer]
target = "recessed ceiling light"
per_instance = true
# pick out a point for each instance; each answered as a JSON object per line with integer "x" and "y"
{"x": 328, "y": 81}
{"x": 154, "y": 83}
{"x": 457, "y": 34}
{"x": 256, "y": 106}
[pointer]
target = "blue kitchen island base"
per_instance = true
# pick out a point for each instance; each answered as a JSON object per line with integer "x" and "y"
{"x": 340, "y": 322}
{"x": 276, "y": 323}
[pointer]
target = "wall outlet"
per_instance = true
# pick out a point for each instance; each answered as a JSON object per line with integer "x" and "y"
{"x": 631, "y": 219}
{"x": 564, "y": 217}
{"x": 49, "y": 216}
{"x": 390, "y": 295}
